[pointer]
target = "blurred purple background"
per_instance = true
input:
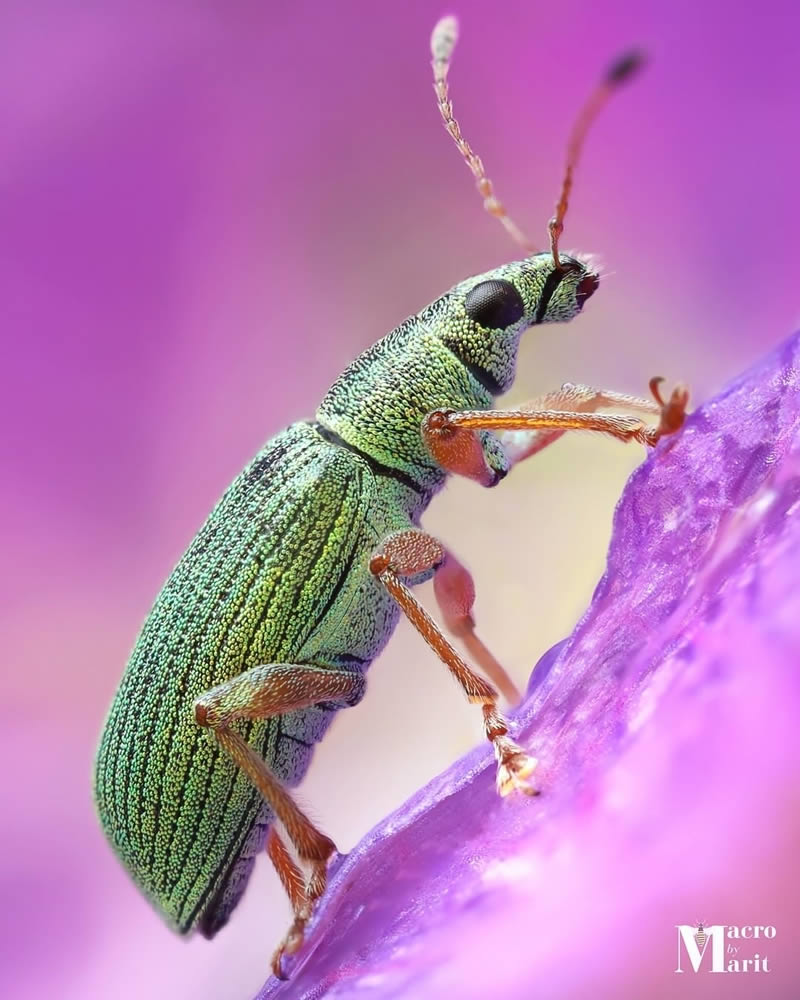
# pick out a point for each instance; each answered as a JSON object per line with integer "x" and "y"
{"x": 207, "y": 210}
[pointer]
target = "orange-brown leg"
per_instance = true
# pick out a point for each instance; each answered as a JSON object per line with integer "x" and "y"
{"x": 452, "y": 441}
{"x": 294, "y": 882}
{"x": 454, "y": 589}
{"x": 408, "y": 553}
{"x": 292, "y": 879}
{"x": 259, "y": 693}
{"x": 460, "y": 450}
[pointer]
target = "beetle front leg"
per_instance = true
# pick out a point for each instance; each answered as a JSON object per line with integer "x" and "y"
{"x": 451, "y": 438}
{"x": 259, "y": 693}
{"x": 408, "y": 553}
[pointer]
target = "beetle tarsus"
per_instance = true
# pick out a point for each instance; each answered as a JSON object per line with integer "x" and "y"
{"x": 514, "y": 767}
{"x": 673, "y": 410}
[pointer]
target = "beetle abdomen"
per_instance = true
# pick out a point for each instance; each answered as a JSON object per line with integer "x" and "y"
{"x": 215, "y": 914}
{"x": 262, "y": 582}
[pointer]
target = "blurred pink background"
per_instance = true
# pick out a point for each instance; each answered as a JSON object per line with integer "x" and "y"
{"x": 207, "y": 210}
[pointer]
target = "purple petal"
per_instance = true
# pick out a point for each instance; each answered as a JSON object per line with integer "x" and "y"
{"x": 665, "y": 727}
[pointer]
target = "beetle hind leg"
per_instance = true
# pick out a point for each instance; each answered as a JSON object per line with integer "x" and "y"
{"x": 302, "y": 892}
{"x": 259, "y": 693}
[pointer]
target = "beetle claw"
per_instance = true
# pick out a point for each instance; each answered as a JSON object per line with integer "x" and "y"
{"x": 514, "y": 767}
{"x": 290, "y": 945}
{"x": 277, "y": 968}
{"x": 673, "y": 410}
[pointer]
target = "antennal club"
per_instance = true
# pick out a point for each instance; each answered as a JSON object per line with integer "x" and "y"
{"x": 443, "y": 42}
{"x": 622, "y": 69}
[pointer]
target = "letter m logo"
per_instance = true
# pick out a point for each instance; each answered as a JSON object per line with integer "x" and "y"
{"x": 688, "y": 944}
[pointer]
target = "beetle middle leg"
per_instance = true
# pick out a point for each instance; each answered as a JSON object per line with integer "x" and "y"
{"x": 408, "y": 553}
{"x": 454, "y": 590}
{"x": 259, "y": 693}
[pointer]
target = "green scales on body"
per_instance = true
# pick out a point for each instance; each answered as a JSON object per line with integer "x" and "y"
{"x": 295, "y": 582}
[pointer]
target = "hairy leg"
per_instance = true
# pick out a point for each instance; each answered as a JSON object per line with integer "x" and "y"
{"x": 259, "y": 693}
{"x": 451, "y": 439}
{"x": 408, "y": 553}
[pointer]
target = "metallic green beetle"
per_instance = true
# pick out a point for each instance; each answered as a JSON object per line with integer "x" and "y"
{"x": 295, "y": 582}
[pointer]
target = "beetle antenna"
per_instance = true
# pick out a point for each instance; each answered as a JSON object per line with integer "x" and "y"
{"x": 622, "y": 69}
{"x": 443, "y": 41}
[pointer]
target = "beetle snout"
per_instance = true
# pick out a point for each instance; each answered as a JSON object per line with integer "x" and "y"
{"x": 587, "y": 286}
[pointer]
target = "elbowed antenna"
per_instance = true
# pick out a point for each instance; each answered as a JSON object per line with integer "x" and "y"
{"x": 622, "y": 69}
{"x": 443, "y": 42}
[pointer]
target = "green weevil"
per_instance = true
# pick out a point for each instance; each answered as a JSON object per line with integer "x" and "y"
{"x": 295, "y": 582}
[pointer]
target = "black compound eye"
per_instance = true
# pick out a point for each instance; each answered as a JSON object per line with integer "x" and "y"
{"x": 494, "y": 304}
